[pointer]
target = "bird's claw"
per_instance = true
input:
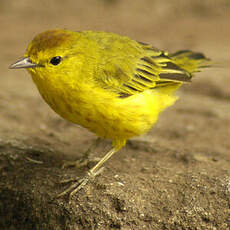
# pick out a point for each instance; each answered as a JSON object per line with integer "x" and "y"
{"x": 80, "y": 183}
{"x": 74, "y": 188}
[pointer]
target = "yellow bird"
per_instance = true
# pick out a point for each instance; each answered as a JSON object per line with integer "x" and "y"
{"x": 110, "y": 84}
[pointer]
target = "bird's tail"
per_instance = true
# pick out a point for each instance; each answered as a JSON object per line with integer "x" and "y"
{"x": 190, "y": 61}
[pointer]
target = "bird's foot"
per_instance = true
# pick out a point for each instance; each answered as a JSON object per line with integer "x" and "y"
{"x": 78, "y": 184}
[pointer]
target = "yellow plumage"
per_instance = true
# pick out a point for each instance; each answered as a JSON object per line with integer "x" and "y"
{"x": 112, "y": 85}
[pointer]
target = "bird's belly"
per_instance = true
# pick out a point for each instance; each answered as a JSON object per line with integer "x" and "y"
{"x": 112, "y": 119}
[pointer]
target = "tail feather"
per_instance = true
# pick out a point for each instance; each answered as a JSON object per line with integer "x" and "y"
{"x": 190, "y": 61}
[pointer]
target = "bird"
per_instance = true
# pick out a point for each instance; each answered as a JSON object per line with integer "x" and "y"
{"x": 112, "y": 85}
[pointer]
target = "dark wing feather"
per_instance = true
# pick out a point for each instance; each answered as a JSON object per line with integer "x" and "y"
{"x": 154, "y": 69}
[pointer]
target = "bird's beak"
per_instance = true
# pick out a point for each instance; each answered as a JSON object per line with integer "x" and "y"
{"x": 23, "y": 63}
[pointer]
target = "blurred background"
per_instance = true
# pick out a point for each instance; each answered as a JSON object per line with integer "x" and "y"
{"x": 167, "y": 24}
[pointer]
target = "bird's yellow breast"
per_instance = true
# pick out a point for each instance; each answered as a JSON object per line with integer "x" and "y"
{"x": 107, "y": 116}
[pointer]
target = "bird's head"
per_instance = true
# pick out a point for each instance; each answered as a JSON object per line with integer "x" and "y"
{"x": 50, "y": 53}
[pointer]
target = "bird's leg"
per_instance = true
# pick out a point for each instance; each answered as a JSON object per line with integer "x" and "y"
{"x": 92, "y": 147}
{"x": 83, "y": 161}
{"x": 94, "y": 171}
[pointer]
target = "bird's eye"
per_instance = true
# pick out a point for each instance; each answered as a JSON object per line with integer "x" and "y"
{"x": 55, "y": 60}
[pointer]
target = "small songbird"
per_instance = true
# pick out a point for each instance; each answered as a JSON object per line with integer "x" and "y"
{"x": 110, "y": 84}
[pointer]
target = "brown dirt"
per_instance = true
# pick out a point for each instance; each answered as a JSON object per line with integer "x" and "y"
{"x": 176, "y": 177}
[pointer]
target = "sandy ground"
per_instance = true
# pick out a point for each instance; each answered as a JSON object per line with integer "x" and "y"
{"x": 175, "y": 177}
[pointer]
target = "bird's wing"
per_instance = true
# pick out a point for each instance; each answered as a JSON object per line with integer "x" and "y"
{"x": 153, "y": 69}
